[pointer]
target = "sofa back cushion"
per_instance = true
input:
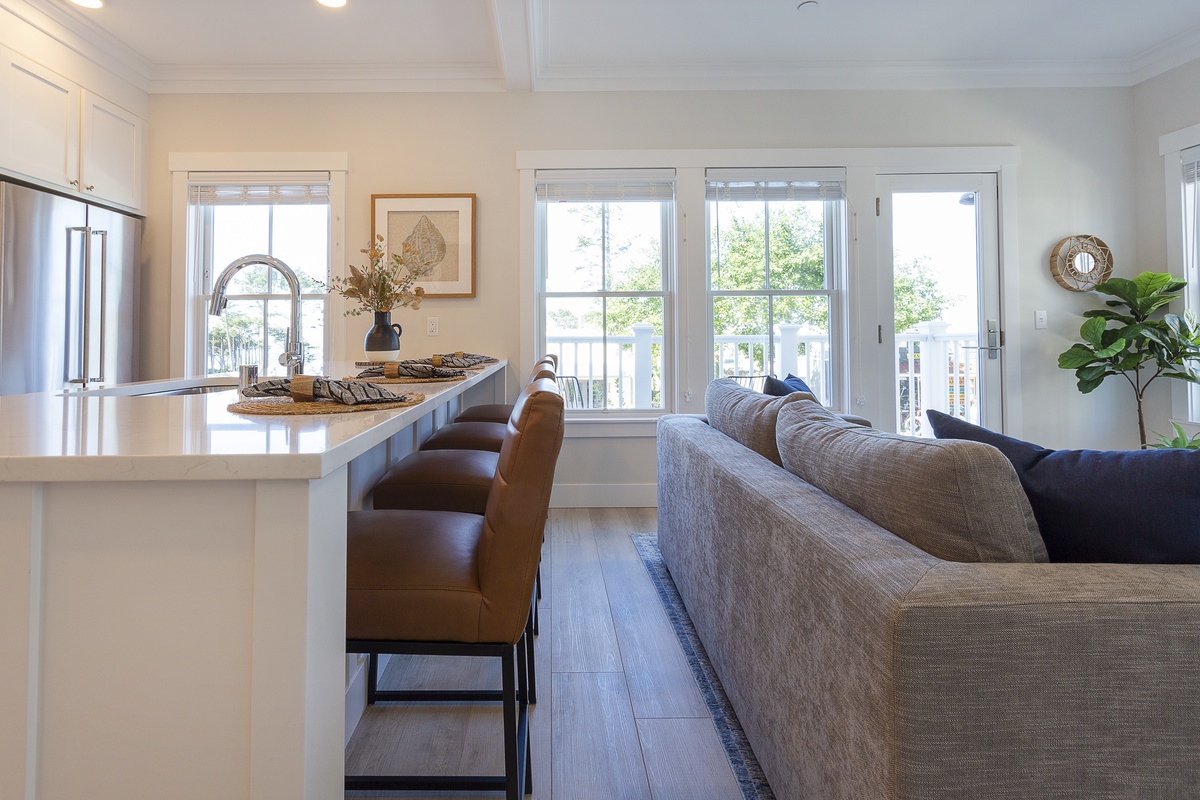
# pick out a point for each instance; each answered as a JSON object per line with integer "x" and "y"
{"x": 956, "y": 500}
{"x": 746, "y": 416}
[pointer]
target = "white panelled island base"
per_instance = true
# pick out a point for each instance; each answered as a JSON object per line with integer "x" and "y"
{"x": 172, "y": 590}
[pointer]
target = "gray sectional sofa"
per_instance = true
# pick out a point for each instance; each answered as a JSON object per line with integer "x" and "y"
{"x": 863, "y": 665}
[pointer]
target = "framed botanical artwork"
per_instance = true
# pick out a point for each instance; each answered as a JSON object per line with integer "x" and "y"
{"x": 439, "y": 230}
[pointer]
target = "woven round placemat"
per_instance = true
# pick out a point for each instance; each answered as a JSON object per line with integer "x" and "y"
{"x": 286, "y": 406}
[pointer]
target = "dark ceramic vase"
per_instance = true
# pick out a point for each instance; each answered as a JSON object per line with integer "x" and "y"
{"x": 384, "y": 335}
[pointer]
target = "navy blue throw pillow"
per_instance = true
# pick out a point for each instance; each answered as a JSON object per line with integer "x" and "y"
{"x": 775, "y": 387}
{"x": 1116, "y": 506}
{"x": 797, "y": 385}
{"x": 778, "y": 388}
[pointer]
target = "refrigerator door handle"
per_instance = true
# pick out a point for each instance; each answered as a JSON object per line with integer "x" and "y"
{"x": 103, "y": 295}
{"x": 87, "y": 303}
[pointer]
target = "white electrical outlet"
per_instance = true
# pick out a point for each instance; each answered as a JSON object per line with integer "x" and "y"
{"x": 431, "y": 326}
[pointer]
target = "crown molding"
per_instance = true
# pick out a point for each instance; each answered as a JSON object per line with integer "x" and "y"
{"x": 1165, "y": 57}
{"x": 837, "y": 76}
{"x": 301, "y": 78}
{"x": 84, "y": 38}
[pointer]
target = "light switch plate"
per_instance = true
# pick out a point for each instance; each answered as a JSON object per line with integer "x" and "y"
{"x": 1039, "y": 320}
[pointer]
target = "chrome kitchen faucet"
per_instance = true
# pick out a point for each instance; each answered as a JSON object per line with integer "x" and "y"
{"x": 293, "y": 355}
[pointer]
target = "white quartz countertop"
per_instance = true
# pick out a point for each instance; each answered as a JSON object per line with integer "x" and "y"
{"x": 104, "y": 437}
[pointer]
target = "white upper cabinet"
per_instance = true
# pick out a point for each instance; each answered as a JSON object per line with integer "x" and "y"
{"x": 111, "y": 152}
{"x": 41, "y": 122}
{"x": 56, "y": 133}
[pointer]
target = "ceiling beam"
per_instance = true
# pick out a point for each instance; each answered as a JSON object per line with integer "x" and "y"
{"x": 514, "y": 43}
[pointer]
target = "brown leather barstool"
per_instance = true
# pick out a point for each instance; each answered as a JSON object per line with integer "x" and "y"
{"x": 499, "y": 412}
{"x": 455, "y": 479}
{"x": 439, "y": 480}
{"x": 454, "y": 472}
{"x": 456, "y": 584}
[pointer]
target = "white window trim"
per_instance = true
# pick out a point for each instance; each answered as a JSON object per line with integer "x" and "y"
{"x": 183, "y": 337}
{"x": 1171, "y": 147}
{"x": 863, "y": 166}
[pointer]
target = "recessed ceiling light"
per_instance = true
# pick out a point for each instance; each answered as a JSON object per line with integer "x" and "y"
{"x": 332, "y": 3}
{"x": 89, "y": 3}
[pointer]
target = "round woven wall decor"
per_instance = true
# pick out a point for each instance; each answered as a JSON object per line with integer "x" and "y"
{"x": 1079, "y": 263}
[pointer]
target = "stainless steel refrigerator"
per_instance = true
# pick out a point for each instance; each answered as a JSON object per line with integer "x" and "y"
{"x": 68, "y": 292}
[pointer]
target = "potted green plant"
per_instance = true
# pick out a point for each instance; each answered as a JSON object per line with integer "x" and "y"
{"x": 1130, "y": 340}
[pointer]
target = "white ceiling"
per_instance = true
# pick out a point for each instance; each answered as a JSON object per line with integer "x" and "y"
{"x": 569, "y": 45}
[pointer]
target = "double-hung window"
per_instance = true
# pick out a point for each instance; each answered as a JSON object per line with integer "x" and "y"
{"x": 603, "y": 249}
{"x": 777, "y": 246}
{"x": 286, "y": 216}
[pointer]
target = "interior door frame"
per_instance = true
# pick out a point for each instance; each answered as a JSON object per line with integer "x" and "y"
{"x": 991, "y": 289}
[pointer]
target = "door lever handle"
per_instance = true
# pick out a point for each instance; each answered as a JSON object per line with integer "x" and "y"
{"x": 995, "y": 339}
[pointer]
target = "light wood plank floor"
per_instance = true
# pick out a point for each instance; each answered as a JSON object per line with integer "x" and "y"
{"x": 618, "y": 716}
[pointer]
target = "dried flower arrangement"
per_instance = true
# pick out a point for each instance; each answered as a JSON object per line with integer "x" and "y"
{"x": 386, "y": 283}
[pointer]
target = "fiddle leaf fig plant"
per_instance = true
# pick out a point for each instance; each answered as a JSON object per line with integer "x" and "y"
{"x": 1125, "y": 339}
{"x": 1180, "y": 440}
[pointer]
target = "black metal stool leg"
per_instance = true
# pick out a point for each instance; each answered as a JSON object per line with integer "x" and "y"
{"x": 372, "y": 678}
{"x": 529, "y": 658}
{"x": 518, "y": 760}
{"x": 512, "y": 760}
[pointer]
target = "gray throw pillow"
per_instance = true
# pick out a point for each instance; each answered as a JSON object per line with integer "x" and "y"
{"x": 958, "y": 503}
{"x": 746, "y": 416}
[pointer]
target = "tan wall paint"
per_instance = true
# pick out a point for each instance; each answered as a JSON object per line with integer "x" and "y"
{"x": 1075, "y": 177}
{"x": 1080, "y": 152}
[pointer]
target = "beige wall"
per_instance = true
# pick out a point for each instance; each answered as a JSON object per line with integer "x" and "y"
{"x": 1079, "y": 149}
{"x": 1162, "y": 105}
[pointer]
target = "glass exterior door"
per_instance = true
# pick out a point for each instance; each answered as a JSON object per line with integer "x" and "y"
{"x": 940, "y": 232}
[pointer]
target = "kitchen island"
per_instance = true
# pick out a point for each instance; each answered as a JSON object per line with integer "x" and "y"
{"x": 172, "y": 590}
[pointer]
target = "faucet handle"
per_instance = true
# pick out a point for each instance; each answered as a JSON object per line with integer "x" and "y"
{"x": 286, "y": 355}
{"x": 292, "y": 356}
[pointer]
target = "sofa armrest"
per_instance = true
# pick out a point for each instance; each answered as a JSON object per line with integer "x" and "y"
{"x": 1048, "y": 680}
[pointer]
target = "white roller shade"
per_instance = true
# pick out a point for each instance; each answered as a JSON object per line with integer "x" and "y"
{"x": 604, "y": 185}
{"x": 814, "y": 183}
{"x": 212, "y": 188}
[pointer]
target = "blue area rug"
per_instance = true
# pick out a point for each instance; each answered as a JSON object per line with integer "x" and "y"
{"x": 741, "y": 758}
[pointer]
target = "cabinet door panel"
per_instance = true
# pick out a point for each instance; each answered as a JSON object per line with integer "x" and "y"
{"x": 41, "y": 126}
{"x": 111, "y": 154}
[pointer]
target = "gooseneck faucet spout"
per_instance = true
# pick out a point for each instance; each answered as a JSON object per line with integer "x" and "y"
{"x": 293, "y": 354}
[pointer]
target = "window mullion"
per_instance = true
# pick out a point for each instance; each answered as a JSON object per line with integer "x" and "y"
{"x": 769, "y": 351}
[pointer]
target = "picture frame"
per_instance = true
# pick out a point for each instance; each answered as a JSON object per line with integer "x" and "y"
{"x": 394, "y": 216}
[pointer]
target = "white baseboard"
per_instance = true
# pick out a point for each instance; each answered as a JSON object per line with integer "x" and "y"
{"x": 356, "y": 698}
{"x": 356, "y": 693}
{"x": 604, "y": 495}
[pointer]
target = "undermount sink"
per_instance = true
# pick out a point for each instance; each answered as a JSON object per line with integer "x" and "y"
{"x": 162, "y": 388}
{"x": 187, "y": 390}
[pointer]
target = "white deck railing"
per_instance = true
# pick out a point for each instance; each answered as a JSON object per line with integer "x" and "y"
{"x": 939, "y": 370}
{"x": 627, "y": 370}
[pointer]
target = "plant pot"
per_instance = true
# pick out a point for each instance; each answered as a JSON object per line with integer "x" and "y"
{"x": 382, "y": 342}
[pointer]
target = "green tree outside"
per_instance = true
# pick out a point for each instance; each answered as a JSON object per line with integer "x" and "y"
{"x": 739, "y": 264}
